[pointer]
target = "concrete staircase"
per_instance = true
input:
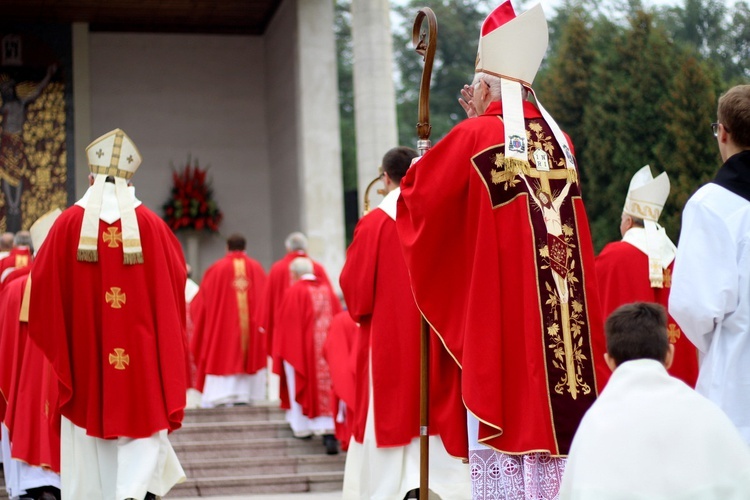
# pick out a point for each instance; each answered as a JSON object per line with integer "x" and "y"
{"x": 247, "y": 450}
{"x": 250, "y": 450}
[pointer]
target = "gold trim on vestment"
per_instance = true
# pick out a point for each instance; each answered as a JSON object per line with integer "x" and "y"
{"x": 241, "y": 284}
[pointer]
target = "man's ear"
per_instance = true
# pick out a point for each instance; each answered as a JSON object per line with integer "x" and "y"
{"x": 669, "y": 357}
{"x": 610, "y": 361}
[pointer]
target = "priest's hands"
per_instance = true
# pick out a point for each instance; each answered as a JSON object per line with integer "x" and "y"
{"x": 467, "y": 101}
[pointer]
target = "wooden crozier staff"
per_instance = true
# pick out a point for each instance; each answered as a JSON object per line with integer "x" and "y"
{"x": 425, "y": 43}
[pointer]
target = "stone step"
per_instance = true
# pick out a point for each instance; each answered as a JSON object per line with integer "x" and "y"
{"x": 232, "y": 448}
{"x": 258, "y": 466}
{"x": 238, "y": 430}
{"x": 262, "y": 411}
{"x": 254, "y": 485}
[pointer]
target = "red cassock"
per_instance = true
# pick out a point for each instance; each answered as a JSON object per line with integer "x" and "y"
{"x": 32, "y": 416}
{"x": 302, "y": 324}
{"x": 226, "y": 337}
{"x": 376, "y": 288}
{"x": 338, "y": 351}
{"x": 490, "y": 261}
{"x": 114, "y": 333}
{"x": 622, "y": 271}
{"x": 279, "y": 280}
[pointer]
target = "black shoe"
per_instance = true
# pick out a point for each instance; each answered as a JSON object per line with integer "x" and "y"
{"x": 412, "y": 494}
{"x": 331, "y": 444}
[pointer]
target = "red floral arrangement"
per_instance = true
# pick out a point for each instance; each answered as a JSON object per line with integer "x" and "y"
{"x": 191, "y": 205}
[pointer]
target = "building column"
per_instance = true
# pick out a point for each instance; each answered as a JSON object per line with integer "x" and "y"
{"x": 319, "y": 137}
{"x": 374, "y": 92}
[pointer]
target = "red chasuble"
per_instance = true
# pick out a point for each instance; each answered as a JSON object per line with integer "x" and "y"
{"x": 302, "y": 324}
{"x": 19, "y": 258}
{"x": 114, "y": 333}
{"x": 226, "y": 337}
{"x": 338, "y": 351}
{"x": 12, "y": 342}
{"x": 376, "y": 288}
{"x": 279, "y": 280}
{"x": 32, "y": 418}
{"x": 622, "y": 271}
{"x": 502, "y": 266}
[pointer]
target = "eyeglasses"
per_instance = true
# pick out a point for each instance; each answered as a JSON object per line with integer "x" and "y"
{"x": 715, "y": 128}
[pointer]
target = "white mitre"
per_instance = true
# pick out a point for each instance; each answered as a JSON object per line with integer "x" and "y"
{"x": 645, "y": 200}
{"x": 40, "y": 229}
{"x": 512, "y": 48}
{"x": 113, "y": 154}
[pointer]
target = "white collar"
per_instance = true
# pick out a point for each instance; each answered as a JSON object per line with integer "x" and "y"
{"x": 388, "y": 205}
{"x": 110, "y": 207}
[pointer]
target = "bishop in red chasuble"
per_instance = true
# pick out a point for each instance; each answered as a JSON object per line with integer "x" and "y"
{"x": 107, "y": 308}
{"x": 498, "y": 248}
{"x": 228, "y": 347}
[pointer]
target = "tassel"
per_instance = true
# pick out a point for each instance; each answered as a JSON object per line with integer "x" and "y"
{"x": 87, "y": 255}
{"x": 133, "y": 258}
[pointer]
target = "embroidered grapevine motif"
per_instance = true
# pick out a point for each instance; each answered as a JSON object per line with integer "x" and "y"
{"x": 565, "y": 325}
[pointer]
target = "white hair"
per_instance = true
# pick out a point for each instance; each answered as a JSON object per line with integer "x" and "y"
{"x": 300, "y": 266}
{"x": 492, "y": 81}
{"x": 495, "y": 85}
{"x": 296, "y": 241}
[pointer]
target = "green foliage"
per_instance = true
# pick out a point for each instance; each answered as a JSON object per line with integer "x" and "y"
{"x": 345, "y": 51}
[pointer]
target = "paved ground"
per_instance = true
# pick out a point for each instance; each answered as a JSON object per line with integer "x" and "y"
{"x": 333, "y": 495}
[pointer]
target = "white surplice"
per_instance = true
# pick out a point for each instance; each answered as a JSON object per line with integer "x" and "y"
{"x": 650, "y": 436}
{"x": 710, "y": 296}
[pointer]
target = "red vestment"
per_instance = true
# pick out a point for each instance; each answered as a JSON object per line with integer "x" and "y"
{"x": 279, "y": 280}
{"x": 622, "y": 271}
{"x": 376, "y": 288}
{"x": 32, "y": 417}
{"x": 11, "y": 343}
{"x": 18, "y": 258}
{"x": 114, "y": 333}
{"x": 338, "y": 351}
{"x": 491, "y": 260}
{"x": 302, "y": 324}
{"x": 226, "y": 336}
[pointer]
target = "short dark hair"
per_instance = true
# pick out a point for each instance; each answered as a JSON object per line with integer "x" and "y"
{"x": 734, "y": 114}
{"x": 236, "y": 242}
{"x": 637, "y": 331}
{"x": 397, "y": 161}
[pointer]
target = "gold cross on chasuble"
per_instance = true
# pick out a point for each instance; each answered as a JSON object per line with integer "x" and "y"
{"x": 240, "y": 283}
{"x": 111, "y": 236}
{"x": 119, "y": 359}
{"x": 673, "y": 332}
{"x": 114, "y": 298}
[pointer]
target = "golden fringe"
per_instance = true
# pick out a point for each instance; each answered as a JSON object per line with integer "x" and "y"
{"x": 88, "y": 255}
{"x": 132, "y": 258}
{"x": 517, "y": 166}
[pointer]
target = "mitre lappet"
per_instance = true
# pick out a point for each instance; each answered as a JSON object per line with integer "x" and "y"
{"x": 112, "y": 155}
{"x": 645, "y": 200}
{"x": 512, "y": 48}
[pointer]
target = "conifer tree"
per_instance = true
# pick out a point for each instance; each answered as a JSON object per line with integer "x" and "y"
{"x": 687, "y": 151}
{"x": 624, "y": 120}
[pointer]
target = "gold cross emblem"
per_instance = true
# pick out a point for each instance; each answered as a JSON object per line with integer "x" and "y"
{"x": 673, "y": 332}
{"x": 112, "y": 236}
{"x": 100, "y": 153}
{"x": 130, "y": 159}
{"x": 119, "y": 359}
{"x": 115, "y": 298}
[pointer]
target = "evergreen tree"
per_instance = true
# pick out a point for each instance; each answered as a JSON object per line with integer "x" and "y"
{"x": 624, "y": 120}
{"x": 688, "y": 150}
